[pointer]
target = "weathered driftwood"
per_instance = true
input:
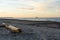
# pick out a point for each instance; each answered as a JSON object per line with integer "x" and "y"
{"x": 11, "y": 28}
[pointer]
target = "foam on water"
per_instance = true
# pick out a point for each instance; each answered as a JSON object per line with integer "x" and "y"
{"x": 42, "y": 19}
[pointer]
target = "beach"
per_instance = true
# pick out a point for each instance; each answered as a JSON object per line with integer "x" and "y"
{"x": 31, "y": 30}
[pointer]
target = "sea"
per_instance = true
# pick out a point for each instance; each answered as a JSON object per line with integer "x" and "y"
{"x": 41, "y": 19}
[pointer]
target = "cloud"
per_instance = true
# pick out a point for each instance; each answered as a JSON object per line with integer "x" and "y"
{"x": 30, "y": 6}
{"x": 26, "y": 8}
{"x": 38, "y": 6}
{"x": 58, "y": 9}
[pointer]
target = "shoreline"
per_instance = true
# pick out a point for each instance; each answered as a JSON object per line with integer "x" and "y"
{"x": 48, "y": 24}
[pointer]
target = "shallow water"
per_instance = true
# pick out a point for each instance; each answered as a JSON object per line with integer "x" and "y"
{"x": 41, "y": 19}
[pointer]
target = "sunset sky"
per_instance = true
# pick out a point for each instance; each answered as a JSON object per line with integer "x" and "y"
{"x": 29, "y": 8}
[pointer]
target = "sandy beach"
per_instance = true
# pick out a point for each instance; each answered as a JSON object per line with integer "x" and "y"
{"x": 31, "y": 30}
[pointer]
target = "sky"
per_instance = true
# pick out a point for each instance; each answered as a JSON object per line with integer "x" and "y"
{"x": 29, "y": 8}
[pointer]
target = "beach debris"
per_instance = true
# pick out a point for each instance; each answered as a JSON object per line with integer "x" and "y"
{"x": 11, "y": 28}
{"x": 2, "y": 25}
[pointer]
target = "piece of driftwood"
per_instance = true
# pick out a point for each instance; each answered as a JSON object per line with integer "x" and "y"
{"x": 11, "y": 28}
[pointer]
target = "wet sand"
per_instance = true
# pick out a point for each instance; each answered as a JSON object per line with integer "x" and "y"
{"x": 31, "y": 30}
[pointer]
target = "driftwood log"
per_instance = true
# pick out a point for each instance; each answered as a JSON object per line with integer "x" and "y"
{"x": 11, "y": 28}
